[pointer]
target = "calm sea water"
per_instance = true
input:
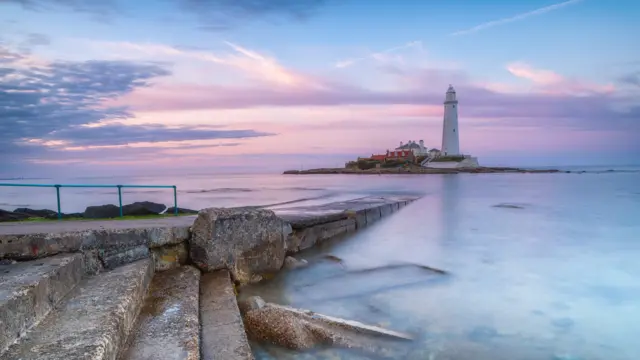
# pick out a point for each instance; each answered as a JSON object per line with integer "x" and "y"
{"x": 556, "y": 278}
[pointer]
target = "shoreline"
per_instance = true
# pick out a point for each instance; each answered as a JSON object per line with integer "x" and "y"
{"x": 423, "y": 171}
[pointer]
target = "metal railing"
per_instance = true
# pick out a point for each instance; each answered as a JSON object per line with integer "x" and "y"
{"x": 119, "y": 187}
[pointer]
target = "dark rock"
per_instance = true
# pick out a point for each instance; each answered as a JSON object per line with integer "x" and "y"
{"x": 102, "y": 212}
{"x": 65, "y": 216}
{"x": 509, "y": 206}
{"x": 247, "y": 241}
{"x": 12, "y": 216}
{"x": 143, "y": 208}
{"x": 181, "y": 211}
{"x": 43, "y": 213}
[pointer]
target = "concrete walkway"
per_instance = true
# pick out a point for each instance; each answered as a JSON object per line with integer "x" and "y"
{"x": 56, "y": 227}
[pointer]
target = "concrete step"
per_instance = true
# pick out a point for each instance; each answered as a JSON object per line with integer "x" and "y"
{"x": 29, "y": 290}
{"x": 223, "y": 334}
{"x": 168, "y": 327}
{"x": 93, "y": 321}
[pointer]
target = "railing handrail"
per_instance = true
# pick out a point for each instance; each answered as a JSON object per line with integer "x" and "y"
{"x": 119, "y": 187}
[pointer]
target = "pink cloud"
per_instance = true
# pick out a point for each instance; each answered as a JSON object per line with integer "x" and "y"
{"x": 552, "y": 83}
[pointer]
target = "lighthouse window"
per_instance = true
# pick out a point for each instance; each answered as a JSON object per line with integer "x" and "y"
{"x": 454, "y": 130}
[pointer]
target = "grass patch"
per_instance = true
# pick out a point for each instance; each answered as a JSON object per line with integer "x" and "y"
{"x": 124, "y": 218}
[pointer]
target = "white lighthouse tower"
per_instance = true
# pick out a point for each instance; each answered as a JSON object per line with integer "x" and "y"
{"x": 450, "y": 136}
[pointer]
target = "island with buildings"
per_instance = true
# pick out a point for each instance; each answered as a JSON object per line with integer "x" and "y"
{"x": 415, "y": 158}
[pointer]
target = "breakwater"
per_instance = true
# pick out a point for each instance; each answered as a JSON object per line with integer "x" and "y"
{"x": 148, "y": 287}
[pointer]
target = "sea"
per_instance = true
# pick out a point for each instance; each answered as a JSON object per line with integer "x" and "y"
{"x": 538, "y": 266}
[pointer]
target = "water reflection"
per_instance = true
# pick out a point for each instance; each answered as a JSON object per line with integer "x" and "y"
{"x": 555, "y": 279}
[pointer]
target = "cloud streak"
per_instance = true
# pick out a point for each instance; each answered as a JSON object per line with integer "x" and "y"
{"x": 515, "y": 18}
{"x": 376, "y": 55}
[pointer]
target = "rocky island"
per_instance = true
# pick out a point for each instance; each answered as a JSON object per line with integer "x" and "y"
{"x": 417, "y": 170}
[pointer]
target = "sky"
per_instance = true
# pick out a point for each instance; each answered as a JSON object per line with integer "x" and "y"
{"x": 118, "y": 87}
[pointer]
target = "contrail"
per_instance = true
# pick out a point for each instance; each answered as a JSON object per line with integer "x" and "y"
{"x": 515, "y": 18}
{"x": 349, "y": 62}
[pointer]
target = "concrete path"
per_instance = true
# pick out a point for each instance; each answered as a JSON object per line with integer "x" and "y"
{"x": 56, "y": 227}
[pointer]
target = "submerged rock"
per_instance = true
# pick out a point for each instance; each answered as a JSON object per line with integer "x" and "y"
{"x": 143, "y": 208}
{"x": 291, "y": 263}
{"x": 302, "y": 329}
{"x": 247, "y": 241}
{"x": 509, "y": 206}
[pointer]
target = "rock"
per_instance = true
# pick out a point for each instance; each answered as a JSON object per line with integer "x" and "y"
{"x": 301, "y": 330}
{"x": 277, "y": 327}
{"x": 101, "y": 212}
{"x": 509, "y": 206}
{"x": 12, "y": 216}
{"x": 143, "y": 208}
{"x": 66, "y": 216}
{"x": 43, "y": 213}
{"x": 292, "y": 263}
{"x": 247, "y": 241}
{"x": 251, "y": 303}
{"x": 171, "y": 210}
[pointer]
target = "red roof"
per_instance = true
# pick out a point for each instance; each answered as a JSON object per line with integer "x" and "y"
{"x": 378, "y": 157}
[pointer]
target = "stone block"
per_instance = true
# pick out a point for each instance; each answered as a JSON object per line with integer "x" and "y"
{"x": 308, "y": 237}
{"x": 386, "y": 210}
{"x": 37, "y": 245}
{"x": 94, "y": 320}
{"x": 168, "y": 327}
{"x": 30, "y": 290}
{"x": 247, "y": 241}
{"x": 113, "y": 259}
{"x": 222, "y": 335}
{"x": 373, "y": 215}
{"x": 170, "y": 256}
{"x": 360, "y": 217}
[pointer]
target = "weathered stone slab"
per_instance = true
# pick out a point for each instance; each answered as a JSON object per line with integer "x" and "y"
{"x": 94, "y": 321}
{"x": 168, "y": 327}
{"x": 29, "y": 290}
{"x": 360, "y": 216}
{"x": 308, "y": 237}
{"x": 247, "y": 241}
{"x": 373, "y": 215}
{"x": 170, "y": 256}
{"x": 223, "y": 336}
{"x": 35, "y": 245}
{"x": 113, "y": 259}
{"x": 386, "y": 210}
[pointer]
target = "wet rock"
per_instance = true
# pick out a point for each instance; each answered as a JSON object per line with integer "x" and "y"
{"x": 171, "y": 210}
{"x": 143, "y": 208}
{"x": 509, "y": 206}
{"x": 12, "y": 216}
{"x": 247, "y": 241}
{"x": 101, "y": 212}
{"x": 251, "y": 303}
{"x": 43, "y": 213}
{"x": 291, "y": 263}
{"x": 302, "y": 330}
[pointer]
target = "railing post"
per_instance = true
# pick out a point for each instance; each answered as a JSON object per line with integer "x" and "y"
{"x": 120, "y": 198}
{"x": 175, "y": 200}
{"x": 58, "y": 196}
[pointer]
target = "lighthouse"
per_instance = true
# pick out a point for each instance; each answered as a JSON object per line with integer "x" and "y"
{"x": 450, "y": 136}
